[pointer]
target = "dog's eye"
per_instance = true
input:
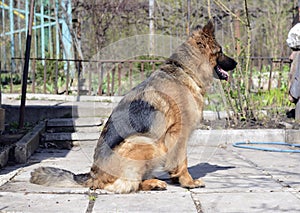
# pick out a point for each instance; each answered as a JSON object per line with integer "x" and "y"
{"x": 200, "y": 44}
{"x": 220, "y": 52}
{"x": 217, "y": 51}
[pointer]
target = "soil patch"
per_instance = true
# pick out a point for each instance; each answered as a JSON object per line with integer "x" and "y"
{"x": 12, "y": 134}
{"x": 274, "y": 121}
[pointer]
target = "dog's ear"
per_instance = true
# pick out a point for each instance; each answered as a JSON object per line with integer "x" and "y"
{"x": 209, "y": 28}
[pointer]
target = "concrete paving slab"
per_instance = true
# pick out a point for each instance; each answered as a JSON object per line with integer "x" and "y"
{"x": 27, "y": 202}
{"x": 71, "y": 136}
{"x": 206, "y": 153}
{"x": 237, "y": 180}
{"x": 17, "y": 186}
{"x": 224, "y": 171}
{"x": 248, "y": 202}
{"x": 283, "y": 167}
{"x": 77, "y": 160}
{"x": 146, "y": 202}
{"x": 239, "y": 184}
{"x": 216, "y": 137}
{"x": 72, "y": 122}
{"x": 7, "y": 174}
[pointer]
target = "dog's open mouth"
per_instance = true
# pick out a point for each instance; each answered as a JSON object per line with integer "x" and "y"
{"x": 222, "y": 74}
{"x": 224, "y": 64}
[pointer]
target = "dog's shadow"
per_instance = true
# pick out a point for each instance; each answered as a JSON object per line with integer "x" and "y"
{"x": 202, "y": 169}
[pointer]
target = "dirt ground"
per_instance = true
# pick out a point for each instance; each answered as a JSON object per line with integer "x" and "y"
{"x": 275, "y": 121}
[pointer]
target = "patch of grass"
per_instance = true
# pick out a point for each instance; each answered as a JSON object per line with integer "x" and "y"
{"x": 92, "y": 197}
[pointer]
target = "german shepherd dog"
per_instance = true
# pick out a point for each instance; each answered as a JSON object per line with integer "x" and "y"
{"x": 151, "y": 125}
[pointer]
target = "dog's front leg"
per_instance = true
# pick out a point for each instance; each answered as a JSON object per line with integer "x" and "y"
{"x": 181, "y": 175}
{"x": 176, "y": 160}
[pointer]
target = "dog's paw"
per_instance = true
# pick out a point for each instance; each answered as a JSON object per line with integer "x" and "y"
{"x": 197, "y": 183}
{"x": 153, "y": 184}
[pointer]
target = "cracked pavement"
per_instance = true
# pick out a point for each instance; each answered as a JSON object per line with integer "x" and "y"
{"x": 237, "y": 180}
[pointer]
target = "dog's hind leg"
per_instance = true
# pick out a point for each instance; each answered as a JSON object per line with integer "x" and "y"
{"x": 125, "y": 181}
{"x": 123, "y": 186}
{"x": 125, "y": 169}
{"x": 153, "y": 184}
{"x": 181, "y": 174}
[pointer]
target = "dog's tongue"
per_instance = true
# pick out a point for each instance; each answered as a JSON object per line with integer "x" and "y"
{"x": 222, "y": 73}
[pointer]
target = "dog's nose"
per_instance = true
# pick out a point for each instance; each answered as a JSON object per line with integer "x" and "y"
{"x": 226, "y": 63}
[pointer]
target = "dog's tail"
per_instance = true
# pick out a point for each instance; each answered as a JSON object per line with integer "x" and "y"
{"x": 50, "y": 176}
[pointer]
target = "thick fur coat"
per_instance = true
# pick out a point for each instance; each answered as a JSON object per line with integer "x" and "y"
{"x": 150, "y": 127}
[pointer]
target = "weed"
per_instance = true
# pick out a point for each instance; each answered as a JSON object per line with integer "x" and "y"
{"x": 92, "y": 197}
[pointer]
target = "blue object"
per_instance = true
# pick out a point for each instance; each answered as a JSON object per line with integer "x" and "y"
{"x": 248, "y": 145}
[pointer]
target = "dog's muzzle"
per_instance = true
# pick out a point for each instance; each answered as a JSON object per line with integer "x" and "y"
{"x": 224, "y": 64}
{"x": 221, "y": 74}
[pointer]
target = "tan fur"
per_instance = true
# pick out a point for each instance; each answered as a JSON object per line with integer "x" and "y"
{"x": 181, "y": 104}
{"x": 174, "y": 97}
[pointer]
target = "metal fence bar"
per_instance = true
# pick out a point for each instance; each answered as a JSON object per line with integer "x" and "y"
{"x": 33, "y": 76}
{"x": 119, "y": 78}
{"x": 108, "y": 84}
{"x": 78, "y": 77}
{"x": 68, "y": 78}
{"x": 113, "y": 81}
{"x": 250, "y": 76}
{"x": 56, "y": 77}
{"x": 142, "y": 76}
{"x": 100, "y": 79}
{"x": 11, "y": 79}
{"x": 153, "y": 66}
{"x": 45, "y": 75}
{"x": 270, "y": 75}
{"x": 280, "y": 74}
{"x": 90, "y": 80}
{"x": 130, "y": 74}
{"x": 260, "y": 72}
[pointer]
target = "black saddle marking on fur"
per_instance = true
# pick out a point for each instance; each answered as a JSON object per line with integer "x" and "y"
{"x": 141, "y": 115}
{"x": 128, "y": 119}
{"x": 110, "y": 134}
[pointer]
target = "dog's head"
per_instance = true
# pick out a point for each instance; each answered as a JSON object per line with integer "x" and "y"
{"x": 204, "y": 39}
